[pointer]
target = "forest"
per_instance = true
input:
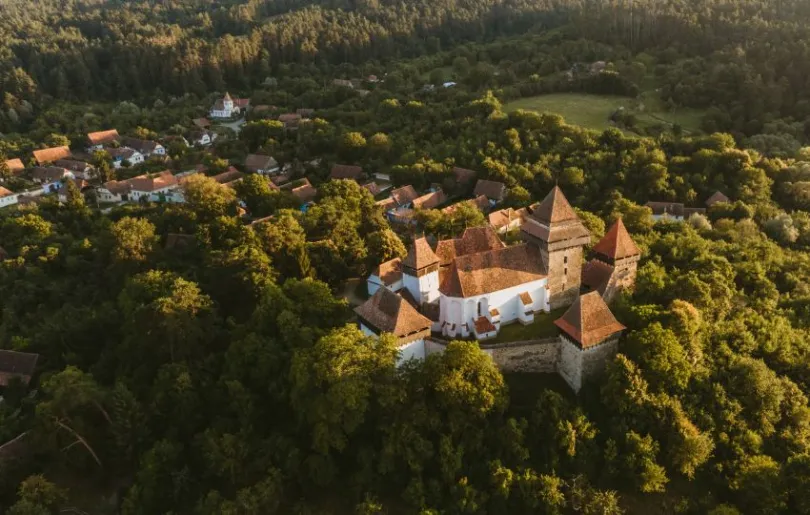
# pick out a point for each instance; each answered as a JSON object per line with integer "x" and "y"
{"x": 195, "y": 362}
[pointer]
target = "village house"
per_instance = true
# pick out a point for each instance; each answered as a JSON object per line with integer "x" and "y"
{"x": 7, "y": 197}
{"x": 430, "y": 200}
{"x": 100, "y": 139}
{"x": 346, "y": 172}
{"x": 717, "y": 198}
{"x": 493, "y": 190}
{"x": 120, "y": 155}
{"x": 62, "y": 192}
{"x": 50, "y": 174}
{"x": 304, "y": 191}
{"x": 305, "y": 112}
{"x": 49, "y": 155}
{"x": 145, "y": 147}
{"x": 262, "y": 164}
{"x": 673, "y": 211}
{"x": 373, "y": 188}
{"x": 480, "y": 202}
{"x": 227, "y": 107}
{"x": 229, "y": 177}
{"x": 202, "y": 123}
{"x": 470, "y": 287}
{"x": 201, "y": 138}
{"x": 504, "y": 220}
{"x": 148, "y": 187}
{"x": 15, "y": 166}
{"x": 343, "y": 83}
{"x": 464, "y": 175}
{"x": 290, "y": 120}
{"x": 17, "y": 366}
{"x": 80, "y": 169}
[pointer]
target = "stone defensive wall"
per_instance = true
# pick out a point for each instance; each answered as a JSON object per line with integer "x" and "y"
{"x": 534, "y": 356}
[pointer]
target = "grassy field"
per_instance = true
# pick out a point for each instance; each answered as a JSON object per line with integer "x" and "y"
{"x": 542, "y": 327}
{"x": 593, "y": 111}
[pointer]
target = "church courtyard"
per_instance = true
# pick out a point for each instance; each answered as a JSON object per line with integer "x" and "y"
{"x": 542, "y": 327}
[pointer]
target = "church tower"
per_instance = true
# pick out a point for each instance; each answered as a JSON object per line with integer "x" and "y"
{"x": 227, "y": 103}
{"x": 618, "y": 250}
{"x": 420, "y": 272}
{"x": 554, "y": 228}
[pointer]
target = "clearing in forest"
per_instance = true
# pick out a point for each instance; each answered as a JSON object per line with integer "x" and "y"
{"x": 593, "y": 111}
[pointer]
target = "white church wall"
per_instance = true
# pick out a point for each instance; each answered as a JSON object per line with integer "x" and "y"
{"x": 459, "y": 311}
{"x": 423, "y": 289}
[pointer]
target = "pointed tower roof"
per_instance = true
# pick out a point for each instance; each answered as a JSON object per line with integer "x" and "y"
{"x": 554, "y": 221}
{"x": 589, "y": 321}
{"x": 227, "y": 96}
{"x": 617, "y": 243}
{"x": 554, "y": 208}
{"x": 420, "y": 255}
{"x": 718, "y": 196}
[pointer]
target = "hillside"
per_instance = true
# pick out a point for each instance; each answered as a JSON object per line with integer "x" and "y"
{"x": 198, "y": 198}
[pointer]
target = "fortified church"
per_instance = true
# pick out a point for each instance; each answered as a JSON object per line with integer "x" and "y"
{"x": 471, "y": 286}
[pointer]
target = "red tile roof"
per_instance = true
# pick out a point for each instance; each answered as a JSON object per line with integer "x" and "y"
{"x": 430, "y": 201}
{"x": 474, "y": 239}
{"x": 388, "y": 312}
{"x": 494, "y": 270}
{"x": 306, "y": 192}
{"x": 390, "y": 271}
{"x": 387, "y": 203}
{"x": 420, "y": 255}
{"x": 152, "y": 183}
{"x": 346, "y": 172}
{"x": 373, "y": 188}
{"x": 102, "y": 137}
{"x": 483, "y": 325}
{"x": 4, "y": 192}
{"x": 256, "y": 162}
{"x": 589, "y": 321}
{"x": 715, "y": 198}
{"x": 15, "y": 166}
{"x": 493, "y": 190}
{"x": 617, "y": 243}
{"x": 49, "y": 173}
{"x": 229, "y": 175}
{"x": 48, "y": 155}
{"x": 16, "y": 364}
{"x": 554, "y": 220}
{"x": 463, "y": 175}
{"x": 554, "y": 208}
{"x": 596, "y": 275}
{"x": 404, "y": 195}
